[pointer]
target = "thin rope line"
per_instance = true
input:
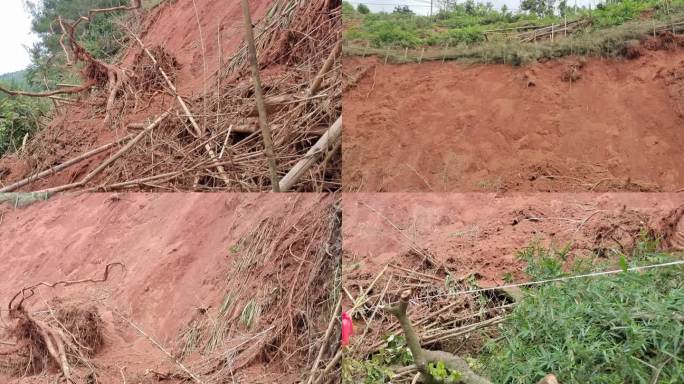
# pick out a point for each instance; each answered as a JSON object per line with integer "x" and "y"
{"x": 539, "y": 282}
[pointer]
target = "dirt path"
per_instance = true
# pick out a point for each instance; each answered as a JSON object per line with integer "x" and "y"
{"x": 453, "y": 127}
{"x": 481, "y": 233}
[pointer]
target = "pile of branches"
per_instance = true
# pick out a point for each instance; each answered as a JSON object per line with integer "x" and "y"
{"x": 279, "y": 299}
{"x": 443, "y": 318}
{"x": 213, "y": 142}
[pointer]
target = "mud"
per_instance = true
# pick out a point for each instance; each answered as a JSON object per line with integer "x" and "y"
{"x": 179, "y": 251}
{"x": 479, "y": 234}
{"x": 567, "y": 125}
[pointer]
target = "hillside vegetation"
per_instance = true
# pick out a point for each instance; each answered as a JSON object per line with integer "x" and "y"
{"x": 479, "y": 32}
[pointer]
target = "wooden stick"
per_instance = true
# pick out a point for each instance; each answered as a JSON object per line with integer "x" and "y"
{"x": 130, "y": 183}
{"x": 258, "y": 94}
{"x": 328, "y": 332}
{"x": 316, "y": 84}
{"x": 60, "y": 91}
{"x": 325, "y": 374}
{"x": 329, "y": 139}
{"x": 65, "y": 165}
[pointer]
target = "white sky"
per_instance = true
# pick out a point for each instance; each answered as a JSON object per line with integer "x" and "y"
{"x": 423, "y": 6}
{"x": 15, "y": 32}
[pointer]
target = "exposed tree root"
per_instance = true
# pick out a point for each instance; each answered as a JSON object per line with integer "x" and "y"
{"x": 30, "y": 290}
{"x": 77, "y": 333}
{"x": 97, "y": 73}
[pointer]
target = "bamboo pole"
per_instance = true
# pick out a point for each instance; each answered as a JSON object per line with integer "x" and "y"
{"x": 110, "y": 160}
{"x": 263, "y": 118}
{"x": 329, "y": 139}
{"x": 324, "y": 344}
{"x": 315, "y": 85}
{"x": 64, "y": 165}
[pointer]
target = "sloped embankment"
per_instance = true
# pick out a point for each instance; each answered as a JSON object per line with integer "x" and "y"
{"x": 566, "y": 125}
{"x": 233, "y": 286}
{"x": 137, "y": 134}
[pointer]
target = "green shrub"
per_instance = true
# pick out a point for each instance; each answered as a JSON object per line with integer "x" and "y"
{"x": 18, "y": 117}
{"x": 618, "y": 13}
{"x": 624, "y": 328}
{"x": 378, "y": 369}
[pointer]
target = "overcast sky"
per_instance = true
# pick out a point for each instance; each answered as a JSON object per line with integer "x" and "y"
{"x": 15, "y": 32}
{"x": 423, "y": 6}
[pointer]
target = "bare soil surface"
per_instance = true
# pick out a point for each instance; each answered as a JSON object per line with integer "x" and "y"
{"x": 183, "y": 255}
{"x": 568, "y": 125}
{"x": 479, "y": 234}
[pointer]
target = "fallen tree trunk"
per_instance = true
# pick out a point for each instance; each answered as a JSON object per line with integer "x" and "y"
{"x": 328, "y": 140}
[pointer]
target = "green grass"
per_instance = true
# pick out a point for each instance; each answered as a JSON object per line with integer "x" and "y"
{"x": 460, "y": 34}
{"x": 607, "y": 43}
{"x": 624, "y": 328}
{"x": 250, "y": 313}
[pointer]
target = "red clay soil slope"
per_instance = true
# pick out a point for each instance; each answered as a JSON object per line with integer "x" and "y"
{"x": 574, "y": 124}
{"x": 190, "y": 38}
{"x": 190, "y": 260}
{"x": 479, "y": 234}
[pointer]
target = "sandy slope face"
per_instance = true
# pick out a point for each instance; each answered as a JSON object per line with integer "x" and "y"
{"x": 451, "y": 127}
{"x": 476, "y": 233}
{"x": 176, "y": 249}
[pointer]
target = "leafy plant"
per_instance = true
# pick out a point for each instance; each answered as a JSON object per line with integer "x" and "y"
{"x": 378, "y": 369}
{"x": 624, "y": 328}
{"x": 443, "y": 374}
{"x": 19, "y": 118}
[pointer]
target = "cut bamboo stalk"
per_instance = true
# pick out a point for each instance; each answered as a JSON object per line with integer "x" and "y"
{"x": 329, "y": 139}
{"x": 63, "y": 166}
{"x": 258, "y": 93}
{"x": 112, "y": 159}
